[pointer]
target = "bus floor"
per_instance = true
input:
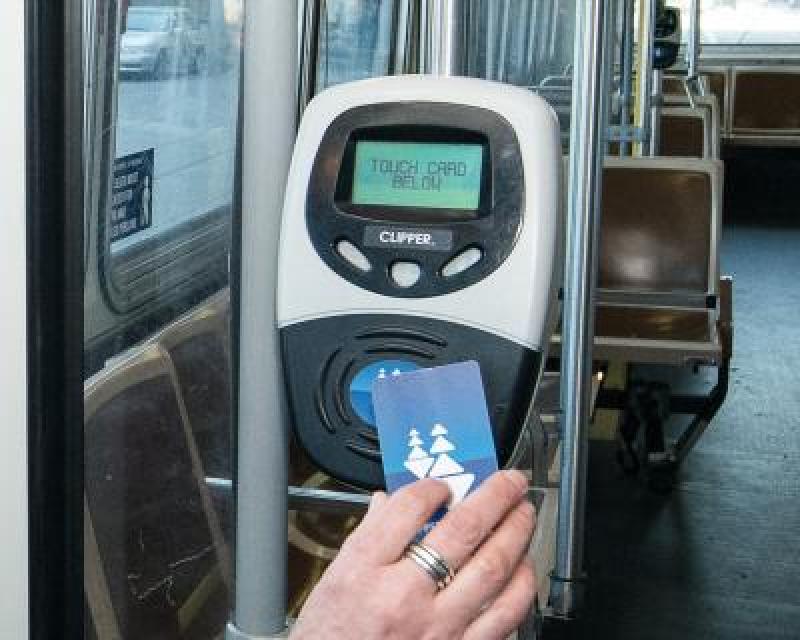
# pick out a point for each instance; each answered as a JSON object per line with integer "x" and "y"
{"x": 719, "y": 558}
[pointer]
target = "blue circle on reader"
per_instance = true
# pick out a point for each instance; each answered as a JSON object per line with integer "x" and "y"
{"x": 361, "y": 386}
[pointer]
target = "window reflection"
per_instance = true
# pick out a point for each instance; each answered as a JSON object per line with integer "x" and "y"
{"x": 355, "y": 39}
{"x": 162, "y": 112}
{"x": 178, "y": 96}
{"x": 522, "y": 42}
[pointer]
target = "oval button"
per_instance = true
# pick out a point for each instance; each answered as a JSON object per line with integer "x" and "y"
{"x": 352, "y": 254}
{"x": 405, "y": 274}
{"x": 463, "y": 261}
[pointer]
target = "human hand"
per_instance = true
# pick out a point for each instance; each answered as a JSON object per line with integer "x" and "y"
{"x": 372, "y": 591}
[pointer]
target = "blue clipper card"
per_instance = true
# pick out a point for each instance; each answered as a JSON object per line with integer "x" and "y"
{"x": 433, "y": 423}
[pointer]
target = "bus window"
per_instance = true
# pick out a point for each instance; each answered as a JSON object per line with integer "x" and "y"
{"x": 529, "y": 44}
{"x": 162, "y": 117}
{"x": 355, "y": 40}
{"x": 522, "y": 42}
{"x": 165, "y": 224}
{"x": 746, "y": 22}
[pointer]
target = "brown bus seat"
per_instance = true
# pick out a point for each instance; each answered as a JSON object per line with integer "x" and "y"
{"x": 690, "y": 132}
{"x": 683, "y": 133}
{"x": 658, "y": 271}
{"x": 716, "y": 81}
{"x": 766, "y": 105}
{"x": 155, "y": 560}
{"x": 661, "y": 300}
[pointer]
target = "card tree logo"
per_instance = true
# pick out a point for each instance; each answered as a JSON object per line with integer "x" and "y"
{"x": 437, "y": 462}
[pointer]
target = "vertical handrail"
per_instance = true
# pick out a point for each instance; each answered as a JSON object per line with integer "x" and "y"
{"x": 644, "y": 73}
{"x": 693, "y": 80}
{"x": 268, "y": 130}
{"x": 612, "y": 24}
{"x": 693, "y": 41}
{"x": 504, "y": 35}
{"x": 309, "y": 54}
{"x": 626, "y": 85}
{"x": 491, "y": 40}
{"x": 403, "y": 29}
{"x": 533, "y": 37}
{"x": 442, "y": 36}
{"x": 578, "y": 324}
{"x": 654, "y": 139}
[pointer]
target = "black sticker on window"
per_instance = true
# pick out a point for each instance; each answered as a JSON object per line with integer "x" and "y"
{"x": 132, "y": 195}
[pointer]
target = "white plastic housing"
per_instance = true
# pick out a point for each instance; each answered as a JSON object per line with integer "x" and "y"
{"x": 513, "y": 302}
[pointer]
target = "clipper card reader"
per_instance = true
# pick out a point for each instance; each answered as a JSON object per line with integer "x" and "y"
{"x": 420, "y": 228}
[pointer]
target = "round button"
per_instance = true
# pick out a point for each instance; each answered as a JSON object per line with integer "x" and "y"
{"x": 405, "y": 274}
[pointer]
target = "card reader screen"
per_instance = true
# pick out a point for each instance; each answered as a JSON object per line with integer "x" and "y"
{"x": 427, "y": 175}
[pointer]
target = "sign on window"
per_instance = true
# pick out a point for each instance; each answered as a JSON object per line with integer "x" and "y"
{"x": 132, "y": 194}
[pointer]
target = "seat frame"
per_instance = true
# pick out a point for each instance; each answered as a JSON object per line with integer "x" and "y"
{"x": 716, "y": 302}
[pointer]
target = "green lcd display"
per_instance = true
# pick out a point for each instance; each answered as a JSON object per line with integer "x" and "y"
{"x": 427, "y": 175}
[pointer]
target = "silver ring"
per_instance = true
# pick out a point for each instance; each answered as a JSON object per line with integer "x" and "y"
{"x": 432, "y": 563}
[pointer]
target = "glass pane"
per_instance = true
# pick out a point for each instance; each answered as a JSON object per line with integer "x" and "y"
{"x": 523, "y": 42}
{"x": 528, "y": 43}
{"x": 177, "y": 100}
{"x": 355, "y": 40}
{"x": 162, "y": 111}
{"x": 743, "y": 22}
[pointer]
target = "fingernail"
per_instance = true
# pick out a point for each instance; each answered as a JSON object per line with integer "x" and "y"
{"x": 519, "y": 479}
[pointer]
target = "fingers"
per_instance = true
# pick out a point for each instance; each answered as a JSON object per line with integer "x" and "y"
{"x": 392, "y": 523}
{"x": 488, "y": 572}
{"x": 467, "y": 525}
{"x": 377, "y": 500}
{"x": 508, "y": 611}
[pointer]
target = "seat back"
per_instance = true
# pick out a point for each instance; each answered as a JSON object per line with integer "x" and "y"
{"x": 685, "y": 133}
{"x": 198, "y": 345}
{"x": 690, "y": 132}
{"x": 660, "y": 227}
{"x": 154, "y": 560}
{"x": 716, "y": 81}
{"x": 766, "y": 101}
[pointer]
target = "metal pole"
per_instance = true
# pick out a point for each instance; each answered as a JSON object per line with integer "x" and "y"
{"x": 644, "y": 74}
{"x": 533, "y": 36}
{"x": 693, "y": 80}
{"x": 585, "y": 179}
{"x": 442, "y": 36}
{"x": 693, "y": 42}
{"x": 268, "y": 130}
{"x": 403, "y": 28}
{"x": 654, "y": 141}
{"x": 612, "y": 18}
{"x": 504, "y": 36}
{"x": 492, "y": 18}
{"x": 309, "y": 54}
{"x": 626, "y": 82}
